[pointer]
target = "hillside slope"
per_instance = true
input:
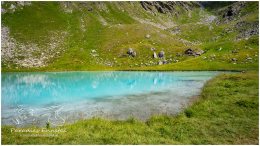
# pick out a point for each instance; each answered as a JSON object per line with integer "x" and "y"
{"x": 55, "y": 36}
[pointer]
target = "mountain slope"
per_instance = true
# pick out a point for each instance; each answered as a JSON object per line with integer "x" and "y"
{"x": 49, "y": 36}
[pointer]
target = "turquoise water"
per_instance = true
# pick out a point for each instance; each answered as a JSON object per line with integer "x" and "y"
{"x": 60, "y": 97}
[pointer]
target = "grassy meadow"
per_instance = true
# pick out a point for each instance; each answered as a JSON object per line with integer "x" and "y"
{"x": 110, "y": 30}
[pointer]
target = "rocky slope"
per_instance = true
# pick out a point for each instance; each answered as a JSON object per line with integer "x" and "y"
{"x": 128, "y": 35}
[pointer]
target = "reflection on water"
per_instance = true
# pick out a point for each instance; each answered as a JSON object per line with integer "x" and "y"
{"x": 57, "y": 98}
{"x": 22, "y": 115}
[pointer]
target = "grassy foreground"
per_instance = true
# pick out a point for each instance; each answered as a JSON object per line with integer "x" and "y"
{"x": 225, "y": 113}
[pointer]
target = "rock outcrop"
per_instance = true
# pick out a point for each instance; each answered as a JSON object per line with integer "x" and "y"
{"x": 231, "y": 12}
{"x": 168, "y": 6}
{"x": 192, "y": 52}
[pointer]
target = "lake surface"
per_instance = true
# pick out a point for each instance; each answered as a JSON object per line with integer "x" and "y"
{"x": 63, "y": 97}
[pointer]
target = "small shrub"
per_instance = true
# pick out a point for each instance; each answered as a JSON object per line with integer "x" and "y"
{"x": 188, "y": 113}
{"x": 247, "y": 104}
{"x": 234, "y": 78}
{"x": 227, "y": 85}
{"x": 164, "y": 131}
{"x": 47, "y": 125}
{"x": 131, "y": 120}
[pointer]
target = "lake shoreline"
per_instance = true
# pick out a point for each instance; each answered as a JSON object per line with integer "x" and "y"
{"x": 226, "y": 84}
{"x": 59, "y": 97}
{"x": 31, "y": 71}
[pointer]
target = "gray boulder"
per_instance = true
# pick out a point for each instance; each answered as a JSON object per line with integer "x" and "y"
{"x": 161, "y": 54}
{"x": 249, "y": 58}
{"x": 189, "y": 52}
{"x": 234, "y": 59}
{"x": 154, "y": 55}
{"x": 131, "y": 52}
{"x": 90, "y": 9}
{"x": 164, "y": 61}
{"x": 199, "y": 52}
{"x": 147, "y": 36}
{"x": 192, "y": 52}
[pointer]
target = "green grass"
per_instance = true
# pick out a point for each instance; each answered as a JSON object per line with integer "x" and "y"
{"x": 111, "y": 41}
{"x": 226, "y": 112}
{"x": 34, "y": 23}
{"x": 198, "y": 64}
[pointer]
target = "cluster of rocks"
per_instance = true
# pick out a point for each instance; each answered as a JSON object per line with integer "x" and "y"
{"x": 167, "y": 7}
{"x": 232, "y": 12}
{"x": 67, "y": 6}
{"x": 165, "y": 25}
{"x": 211, "y": 57}
{"x": 13, "y": 6}
{"x": 189, "y": 43}
{"x": 131, "y": 52}
{"x": 94, "y": 53}
{"x": 207, "y": 20}
{"x": 29, "y": 54}
{"x": 192, "y": 52}
{"x": 176, "y": 30}
{"x": 246, "y": 60}
{"x": 246, "y": 30}
{"x": 233, "y": 57}
{"x": 161, "y": 56}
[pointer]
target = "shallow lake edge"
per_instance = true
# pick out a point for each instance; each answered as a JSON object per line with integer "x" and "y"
{"x": 193, "y": 99}
{"x": 180, "y": 122}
